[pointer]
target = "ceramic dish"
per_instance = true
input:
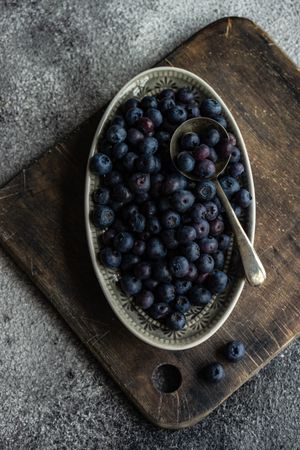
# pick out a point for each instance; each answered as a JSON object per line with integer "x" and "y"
{"x": 201, "y": 322}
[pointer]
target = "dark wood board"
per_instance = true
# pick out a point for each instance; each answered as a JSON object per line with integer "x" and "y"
{"x": 42, "y": 228}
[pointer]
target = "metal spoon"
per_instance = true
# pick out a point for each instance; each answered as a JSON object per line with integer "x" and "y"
{"x": 254, "y": 270}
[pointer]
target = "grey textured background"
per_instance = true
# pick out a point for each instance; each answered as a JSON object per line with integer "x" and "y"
{"x": 60, "y": 61}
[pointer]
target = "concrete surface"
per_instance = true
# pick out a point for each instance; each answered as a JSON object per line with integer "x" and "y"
{"x": 60, "y": 61}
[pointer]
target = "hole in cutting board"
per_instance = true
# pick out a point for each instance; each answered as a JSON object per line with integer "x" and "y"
{"x": 166, "y": 378}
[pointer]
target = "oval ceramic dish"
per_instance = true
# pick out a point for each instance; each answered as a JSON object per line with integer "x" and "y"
{"x": 201, "y": 322}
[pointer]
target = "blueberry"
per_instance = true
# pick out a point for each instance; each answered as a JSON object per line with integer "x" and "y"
{"x": 243, "y": 198}
{"x": 137, "y": 222}
{"x": 165, "y": 292}
{"x": 140, "y": 182}
{"x": 142, "y": 271}
{"x": 205, "y": 169}
{"x": 167, "y": 93}
{"x": 144, "y": 299}
{"x": 145, "y": 125}
{"x": 134, "y": 136}
{"x": 166, "y": 104}
{"x": 205, "y": 263}
{"x": 160, "y": 310}
{"x": 119, "y": 120}
{"x": 192, "y": 110}
{"x": 201, "y": 152}
{"x": 103, "y": 216}
{"x": 192, "y": 273}
{"x": 160, "y": 271}
{"x": 235, "y": 154}
{"x": 223, "y": 241}
{"x": 149, "y": 101}
{"x": 128, "y": 210}
{"x": 210, "y": 107}
{"x": 237, "y": 209}
{"x": 216, "y": 227}
{"x": 179, "y": 266}
{"x": 230, "y": 185}
{"x": 202, "y": 229}
{"x": 116, "y": 134}
{"x": 145, "y": 164}
{"x": 156, "y": 184}
{"x": 182, "y": 200}
{"x": 133, "y": 115}
{"x": 185, "y": 162}
{"x": 123, "y": 242}
{"x": 110, "y": 258}
{"x": 150, "y": 284}
{"x": 153, "y": 225}
{"x": 189, "y": 141}
{"x": 119, "y": 150}
{"x": 205, "y": 190}
{"x": 176, "y": 115}
{"x": 131, "y": 103}
{"x": 219, "y": 259}
{"x": 169, "y": 239}
{"x": 163, "y": 137}
{"x": 201, "y": 278}
{"x": 182, "y": 286}
{"x": 128, "y": 161}
{"x": 221, "y": 120}
{"x": 234, "y": 351}
{"x": 139, "y": 247}
{"x": 182, "y": 304}
{"x": 121, "y": 193}
{"x": 108, "y": 236}
{"x": 186, "y": 234}
{"x": 176, "y": 321}
{"x": 170, "y": 219}
{"x": 173, "y": 183}
{"x": 141, "y": 197}
{"x": 155, "y": 115}
{"x": 100, "y": 164}
{"x": 113, "y": 177}
{"x": 101, "y": 196}
{"x": 155, "y": 249}
{"x": 225, "y": 148}
{"x": 185, "y": 95}
{"x": 212, "y": 211}
{"x": 214, "y": 372}
{"x": 198, "y": 213}
{"x": 208, "y": 244}
{"x": 217, "y": 281}
{"x": 199, "y": 296}
{"x": 232, "y": 138}
{"x": 213, "y": 154}
{"x": 148, "y": 146}
{"x": 236, "y": 169}
{"x": 212, "y": 137}
{"x": 191, "y": 251}
{"x": 130, "y": 285}
{"x": 129, "y": 261}
{"x": 149, "y": 208}
{"x": 163, "y": 204}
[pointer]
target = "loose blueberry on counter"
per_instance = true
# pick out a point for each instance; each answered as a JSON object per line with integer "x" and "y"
{"x": 144, "y": 299}
{"x": 189, "y": 141}
{"x": 101, "y": 196}
{"x": 182, "y": 304}
{"x": 212, "y": 137}
{"x": 176, "y": 321}
{"x": 179, "y": 266}
{"x": 191, "y": 251}
{"x": 155, "y": 249}
{"x": 160, "y": 272}
{"x": 243, "y": 198}
{"x": 202, "y": 152}
{"x": 110, "y": 257}
{"x": 205, "y": 263}
{"x": 103, "y": 216}
{"x": 210, "y": 108}
{"x": 199, "y": 296}
{"x": 160, "y": 310}
{"x": 119, "y": 150}
{"x": 205, "y": 190}
{"x": 234, "y": 351}
{"x": 165, "y": 292}
{"x": 123, "y": 241}
{"x": 185, "y": 162}
{"x": 214, "y": 372}
{"x": 100, "y": 164}
{"x": 133, "y": 115}
{"x": 130, "y": 285}
{"x": 217, "y": 281}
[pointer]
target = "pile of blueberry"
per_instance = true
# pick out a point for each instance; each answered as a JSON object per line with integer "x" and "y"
{"x": 165, "y": 234}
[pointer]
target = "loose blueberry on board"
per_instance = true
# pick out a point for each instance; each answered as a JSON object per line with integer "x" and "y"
{"x": 234, "y": 351}
{"x": 176, "y": 321}
{"x": 214, "y": 372}
{"x": 100, "y": 164}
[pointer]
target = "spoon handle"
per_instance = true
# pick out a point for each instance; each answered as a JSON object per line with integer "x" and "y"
{"x": 254, "y": 270}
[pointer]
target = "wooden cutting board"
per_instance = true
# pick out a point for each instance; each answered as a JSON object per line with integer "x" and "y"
{"x": 42, "y": 228}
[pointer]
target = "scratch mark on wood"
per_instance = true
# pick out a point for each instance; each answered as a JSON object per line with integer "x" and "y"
{"x": 228, "y": 28}
{"x": 159, "y": 406}
{"x": 177, "y": 407}
{"x": 169, "y": 62}
{"x": 187, "y": 406}
{"x": 253, "y": 360}
{"x": 24, "y": 180}
{"x": 9, "y": 195}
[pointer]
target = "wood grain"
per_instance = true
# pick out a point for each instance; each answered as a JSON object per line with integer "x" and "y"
{"x": 42, "y": 227}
